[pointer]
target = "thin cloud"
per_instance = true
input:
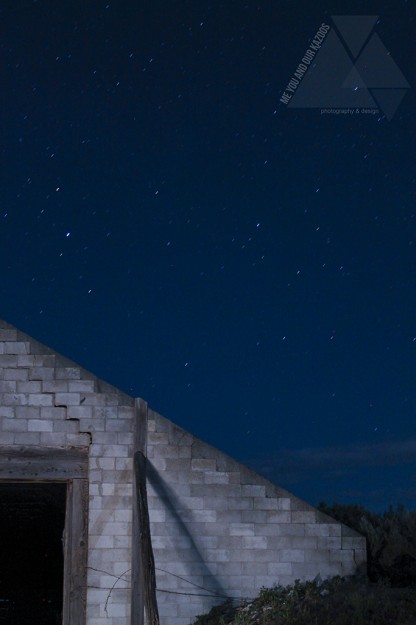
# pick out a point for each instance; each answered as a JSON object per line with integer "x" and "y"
{"x": 294, "y": 465}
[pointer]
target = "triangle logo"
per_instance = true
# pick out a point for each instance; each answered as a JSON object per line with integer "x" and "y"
{"x": 322, "y": 85}
{"x": 355, "y": 30}
{"x": 389, "y": 100}
{"x": 337, "y": 78}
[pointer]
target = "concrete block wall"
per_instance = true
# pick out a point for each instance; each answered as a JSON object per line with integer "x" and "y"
{"x": 220, "y": 530}
{"x": 49, "y": 401}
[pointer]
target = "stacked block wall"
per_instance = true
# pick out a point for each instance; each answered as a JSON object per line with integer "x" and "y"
{"x": 220, "y": 530}
{"x": 48, "y": 401}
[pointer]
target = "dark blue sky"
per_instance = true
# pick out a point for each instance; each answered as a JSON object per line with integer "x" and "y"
{"x": 246, "y": 267}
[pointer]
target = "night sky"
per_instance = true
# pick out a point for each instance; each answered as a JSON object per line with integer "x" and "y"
{"x": 245, "y": 266}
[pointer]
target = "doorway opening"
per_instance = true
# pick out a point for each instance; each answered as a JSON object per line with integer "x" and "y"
{"x": 32, "y": 522}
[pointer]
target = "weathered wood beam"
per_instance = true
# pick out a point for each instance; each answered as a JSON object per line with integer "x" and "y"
{"x": 143, "y": 574}
{"x": 147, "y": 559}
{"x": 43, "y": 463}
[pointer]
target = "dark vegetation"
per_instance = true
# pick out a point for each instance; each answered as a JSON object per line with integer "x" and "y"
{"x": 391, "y": 541}
{"x": 386, "y": 597}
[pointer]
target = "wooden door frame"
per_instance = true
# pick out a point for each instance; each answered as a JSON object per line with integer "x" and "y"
{"x": 70, "y": 466}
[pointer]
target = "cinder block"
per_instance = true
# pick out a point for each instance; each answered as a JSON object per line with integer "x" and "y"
{"x": 303, "y": 516}
{"x": 317, "y": 529}
{"x": 178, "y": 464}
{"x": 350, "y": 542}
{"x": 14, "y": 425}
{"x": 124, "y": 464}
{"x": 42, "y": 360}
{"x": 54, "y": 386}
{"x": 216, "y": 490}
{"x": 118, "y": 425}
{"x": 6, "y": 438}
{"x": 106, "y": 463}
{"x": 105, "y": 438}
{"x": 193, "y": 503}
{"x": 184, "y": 451}
{"x": 122, "y": 541}
{"x": 54, "y": 438}
{"x": 234, "y": 544}
{"x": 41, "y": 373}
{"x": 83, "y": 412}
{"x": 67, "y": 425}
{"x": 212, "y": 542}
{"x": 254, "y": 516}
{"x": 284, "y": 503}
{"x": 67, "y": 399}
{"x": 216, "y": 477}
{"x": 37, "y": 399}
{"x": 304, "y": 542}
{"x": 125, "y": 438}
{"x": 317, "y": 555}
{"x": 253, "y": 490}
{"x": 292, "y": 555}
{"x": 81, "y": 386}
{"x": 266, "y": 503}
{"x": 276, "y": 543}
{"x": 21, "y": 375}
{"x": 157, "y": 438}
{"x": 78, "y": 440}
{"x": 28, "y": 438}
{"x": 68, "y": 373}
{"x": 13, "y": 399}
{"x": 27, "y": 412}
{"x": 16, "y": 347}
{"x": 254, "y": 542}
{"x": 8, "y": 334}
{"x": 279, "y": 568}
{"x": 126, "y": 412}
{"x": 254, "y": 568}
{"x": 100, "y": 542}
{"x": 116, "y": 451}
{"x": 239, "y": 503}
{"x": 241, "y": 529}
{"x": 25, "y": 360}
{"x": 198, "y": 516}
{"x": 53, "y": 413}
{"x": 157, "y": 516}
{"x": 335, "y": 529}
{"x": 203, "y": 464}
{"x": 159, "y": 464}
{"x": 230, "y": 516}
{"x": 177, "y": 436}
{"x": 281, "y": 516}
{"x": 29, "y": 387}
{"x": 329, "y": 542}
{"x": 8, "y": 361}
{"x": 40, "y": 425}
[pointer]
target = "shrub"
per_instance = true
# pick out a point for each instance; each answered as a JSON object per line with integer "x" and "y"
{"x": 391, "y": 540}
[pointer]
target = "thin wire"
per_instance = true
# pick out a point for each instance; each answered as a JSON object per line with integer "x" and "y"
{"x": 189, "y": 582}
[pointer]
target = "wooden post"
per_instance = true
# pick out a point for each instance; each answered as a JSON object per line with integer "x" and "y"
{"x": 143, "y": 566}
{"x": 75, "y": 553}
{"x": 147, "y": 559}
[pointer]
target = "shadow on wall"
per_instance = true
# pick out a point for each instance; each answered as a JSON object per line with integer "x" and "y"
{"x": 172, "y": 504}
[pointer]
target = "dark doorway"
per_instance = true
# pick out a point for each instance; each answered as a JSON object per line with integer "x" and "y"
{"x": 32, "y": 521}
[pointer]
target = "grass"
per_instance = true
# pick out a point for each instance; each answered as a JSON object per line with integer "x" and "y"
{"x": 337, "y": 601}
